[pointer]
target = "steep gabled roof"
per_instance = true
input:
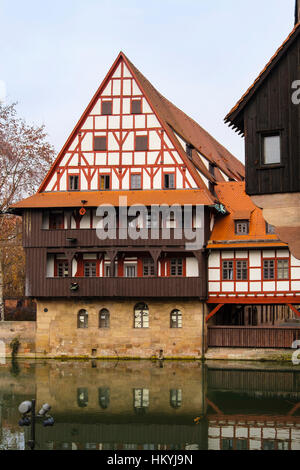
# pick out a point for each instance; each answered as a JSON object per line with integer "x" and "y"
{"x": 174, "y": 121}
{"x": 233, "y": 117}
{"x": 190, "y": 130}
{"x": 239, "y": 206}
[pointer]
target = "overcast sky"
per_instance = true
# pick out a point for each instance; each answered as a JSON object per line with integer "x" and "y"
{"x": 201, "y": 54}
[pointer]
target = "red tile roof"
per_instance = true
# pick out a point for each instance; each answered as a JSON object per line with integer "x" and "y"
{"x": 233, "y": 196}
{"x": 96, "y": 198}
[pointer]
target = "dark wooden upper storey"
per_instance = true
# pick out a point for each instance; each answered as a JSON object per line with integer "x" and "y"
{"x": 268, "y": 115}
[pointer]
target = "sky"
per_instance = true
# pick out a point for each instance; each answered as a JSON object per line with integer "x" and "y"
{"x": 200, "y": 54}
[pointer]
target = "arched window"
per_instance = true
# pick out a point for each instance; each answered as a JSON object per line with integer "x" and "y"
{"x": 141, "y": 316}
{"x": 104, "y": 397}
{"x": 82, "y": 397}
{"x": 175, "y": 398}
{"x": 104, "y": 318}
{"x": 176, "y": 319}
{"x": 83, "y": 319}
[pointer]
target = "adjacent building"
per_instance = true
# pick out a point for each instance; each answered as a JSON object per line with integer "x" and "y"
{"x": 268, "y": 116}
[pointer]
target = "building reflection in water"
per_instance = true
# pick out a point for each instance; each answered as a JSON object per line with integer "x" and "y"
{"x": 138, "y": 405}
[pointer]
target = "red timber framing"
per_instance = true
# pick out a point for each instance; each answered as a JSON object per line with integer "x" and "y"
{"x": 255, "y": 299}
{"x": 214, "y": 311}
{"x": 169, "y": 153}
{"x": 87, "y": 159}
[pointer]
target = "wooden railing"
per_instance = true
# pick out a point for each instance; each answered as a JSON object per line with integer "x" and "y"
{"x": 186, "y": 287}
{"x": 252, "y": 337}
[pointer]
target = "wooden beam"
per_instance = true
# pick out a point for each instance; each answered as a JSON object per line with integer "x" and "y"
{"x": 214, "y": 311}
{"x": 294, "y": 309}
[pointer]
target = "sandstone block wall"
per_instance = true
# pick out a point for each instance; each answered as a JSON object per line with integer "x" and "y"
{"x": 57, "y": 333}
{"x": 25, "y": 332}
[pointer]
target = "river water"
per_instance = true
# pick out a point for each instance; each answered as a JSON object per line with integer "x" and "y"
{"x": 106, "y": 405}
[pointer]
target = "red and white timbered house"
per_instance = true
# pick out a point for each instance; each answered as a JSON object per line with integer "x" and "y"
{"x": 253, "y": 279}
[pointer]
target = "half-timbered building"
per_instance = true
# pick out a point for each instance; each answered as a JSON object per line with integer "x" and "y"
{"x": 253, "y": 279}
{"x": 111, "y": 280}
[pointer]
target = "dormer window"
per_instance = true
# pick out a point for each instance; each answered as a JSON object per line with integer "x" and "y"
{"x": 270, "y": 229}
{"x": 242, "y": 227}
{"x": 271, "y": 149}
{"x": 136, "y": 107}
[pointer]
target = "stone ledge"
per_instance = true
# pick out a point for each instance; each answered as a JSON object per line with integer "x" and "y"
{"x": 243, "y": 354}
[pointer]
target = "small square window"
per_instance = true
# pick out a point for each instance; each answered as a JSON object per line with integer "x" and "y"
{"x": 136, "y": 181}
{"x": 271, "y": 151}
{"x": 141, "y": 143}
{"x": 136, "y": 107}
{"x": 100, "y": 144}
{"x": 104, "y": 182}
{"x": 106, "y": 108}
{"x": 242, "y": 227}
{"x": 169, "y": 180}
{"x": 73, "y": 182}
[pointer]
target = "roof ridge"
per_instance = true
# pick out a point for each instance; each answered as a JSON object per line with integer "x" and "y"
{"x": 269, "y": 63}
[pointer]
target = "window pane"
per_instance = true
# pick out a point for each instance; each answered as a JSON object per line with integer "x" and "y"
{"x": 169, "y": 181}
{"x": 136, "y": 106}
{"x": 271, "y": 150}
{"x": 141, "y": 143}
{"x": 136, "y": 181}
{"x": 130, "y": 271}
{"x": 104, "y": 182}
{"x": 106, "y": 107}
{"x": 73, "y": 183}
{"x": 100, "y": 143}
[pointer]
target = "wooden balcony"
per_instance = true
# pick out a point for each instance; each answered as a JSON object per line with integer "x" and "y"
{"x": 252, "y": 337}
{"x": 188, "y": 287}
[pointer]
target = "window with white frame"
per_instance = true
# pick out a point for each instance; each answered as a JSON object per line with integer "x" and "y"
{"x": 141, "y": 399}
{"x": 130, "y": 270}
{"x": 176, "y": 398}
{"x": 82, "y": 319}
{"x": 242, "y": 227}
{"x": 176, "y": 319}
{"x": 136, "y": 181}
{"x": 141, "y": 316}
{"x": 271, "y": 149}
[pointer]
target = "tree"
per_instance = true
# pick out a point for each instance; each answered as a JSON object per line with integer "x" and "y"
{"x": 25, "y": 156}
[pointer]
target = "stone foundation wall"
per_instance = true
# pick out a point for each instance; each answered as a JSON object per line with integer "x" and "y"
{"x": 25, "y": 332}
{"x": 58, "y": 335}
